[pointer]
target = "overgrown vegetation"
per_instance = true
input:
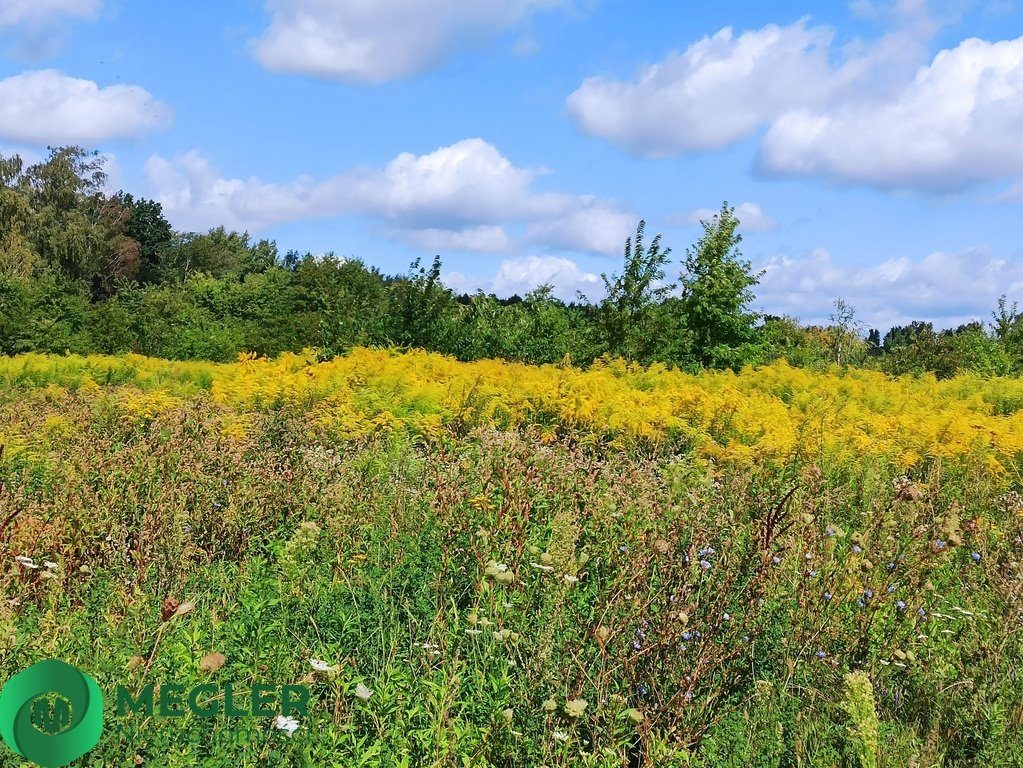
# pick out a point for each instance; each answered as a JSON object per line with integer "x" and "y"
{"x": 481, "y": 564}
{"x": 85, "y": 271}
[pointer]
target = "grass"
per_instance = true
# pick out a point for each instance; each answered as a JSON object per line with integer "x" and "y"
{"x": 510, "y": 597}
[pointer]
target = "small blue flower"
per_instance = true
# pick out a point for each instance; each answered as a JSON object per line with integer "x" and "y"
{"x": 776, "y": 560}
{"x": 901, "y": 605}
{"x": 922, "y": 613}
{"x": 975, "y": 557}
{"x": 868, "y": 593}
{"x": 636, "y": 644}
{"x": 857, "y": 548}
{"x": 860, "y": 603}
{"x": 939, "y": 544}
{"x": 706, "y": 551}
{"x": 828, "y": 595}
{"x": 623, "y": 548}
{"x": 643, "y": 690}
{"x": 811, "y": 574}
{"x": 890, "y": 589}
{"x": 705, "y": 564}
{"x": 891, "y": 567}
{"x": 821, "y": 655}
{"x": 745, "y": 638}
{"x": 687, "y": 635}
{"x": 830, "y": 531}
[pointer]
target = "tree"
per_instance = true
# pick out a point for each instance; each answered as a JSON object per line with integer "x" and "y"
{"x": 845, "y": 331}
{"x": 151, "y": 230}
{"x": 716, "y": 294}
{"x": 630, "y": 324}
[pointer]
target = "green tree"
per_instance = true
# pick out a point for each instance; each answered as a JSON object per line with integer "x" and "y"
{"x": 716, "y": 294}
{"x": 629, "y": 321}
{"x": 151, "y": 230}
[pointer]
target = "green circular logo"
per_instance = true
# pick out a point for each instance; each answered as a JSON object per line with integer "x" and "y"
{"x": 51, "y": 714}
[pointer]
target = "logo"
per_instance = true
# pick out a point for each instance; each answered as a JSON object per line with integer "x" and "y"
{"x": 51, "y": 714}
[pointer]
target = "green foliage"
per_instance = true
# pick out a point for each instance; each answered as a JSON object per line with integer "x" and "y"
{"x": 716, "y": 294}
{"x": 215, "y": 294}
{"x": 631, "y": 320}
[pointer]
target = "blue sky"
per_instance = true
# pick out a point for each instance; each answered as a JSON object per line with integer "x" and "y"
{"x": 872, "y": 148}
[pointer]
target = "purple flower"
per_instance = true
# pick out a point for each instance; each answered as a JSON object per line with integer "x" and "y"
{"x": 939, "y": 544}
{"x": 922, "y": 613}
{"x": 828, "y": 595}
{"x": 776, "y": 560}
{"x": 636, "y": 644}
{"x": 868, "y": 593}
{"x": 891, "y": 567}
{"x": 830, "y": 531}
{"x": 706, "y": 551}
{"x": 623, "y": 548}
{"x": 687, "y": 635}
{"x": 705, "y": 564}
{"x": 857, "y": 548}
{"x": 975, "y": 557}
{"x": 901, "y": 605}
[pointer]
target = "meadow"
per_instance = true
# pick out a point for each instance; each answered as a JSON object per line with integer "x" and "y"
{"x": 495, "y": 564}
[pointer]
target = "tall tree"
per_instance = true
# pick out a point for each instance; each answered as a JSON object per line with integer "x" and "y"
{"x": 716, "y": 293}
{"x": 630, "y": 322}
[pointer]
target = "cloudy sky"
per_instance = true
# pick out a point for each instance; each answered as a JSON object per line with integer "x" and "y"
{"x": 873, "y": 149}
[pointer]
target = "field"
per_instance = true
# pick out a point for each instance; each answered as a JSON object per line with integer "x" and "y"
{"x": 493, "y": 564}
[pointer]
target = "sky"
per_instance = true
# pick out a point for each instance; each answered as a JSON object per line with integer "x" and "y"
{"x": 873, "y": 150}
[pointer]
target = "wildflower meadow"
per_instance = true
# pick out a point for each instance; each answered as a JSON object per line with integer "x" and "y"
{"x": 497, "y": 564}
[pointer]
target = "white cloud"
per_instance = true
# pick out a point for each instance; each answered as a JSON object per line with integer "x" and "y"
{"x": 486, "y": 238}
{"x": 40, "y": 11}
{"x": 719, "y": 91}
{"x": 946, "y": 288}
{"x": 957, "y": 123}
{"x": 751, "y": 217}
{"x": 885, "y": 113}
{"x": 523, "y": 275}
{"x": 375, "y": 41}
{"x": 460, "y": 197}
{"x": 584, "y": 224}
{"x": 45, "y": 107}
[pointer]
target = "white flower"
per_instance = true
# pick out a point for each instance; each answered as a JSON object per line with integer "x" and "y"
{"x": 570, "y": 579}
{"x": 362, "y": 692}
{"x": 474, "y": 631}
{"x": 26, "y": 562}
{"x": 49, "y": 565}
{"x": 560, "y": 736}
{"x": 321, "y": 666}
{"x": 287, "y": 724}
{"x": 540, "y": 567}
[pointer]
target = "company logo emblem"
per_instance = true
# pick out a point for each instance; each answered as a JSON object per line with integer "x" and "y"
{"x": 51, "y": 714}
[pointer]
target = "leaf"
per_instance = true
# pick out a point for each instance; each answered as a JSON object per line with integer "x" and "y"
{"x": 212, "y": 662}
{"x": 184, "y": 608}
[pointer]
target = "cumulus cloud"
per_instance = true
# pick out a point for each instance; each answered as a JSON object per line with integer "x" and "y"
{"x": 14, "y": 12}
{"x": 460, "y": 197}
{"x": 46, "y": 107}
{"x": 718, "y": 91}
{"x": 957, "y": 123}
{"x": 374, "y": 41}
{"x": 946, "y": 288}
{"x": 523, "y": 275}
{"x": 885, "y": 113}
{"x": 751, "y": 217}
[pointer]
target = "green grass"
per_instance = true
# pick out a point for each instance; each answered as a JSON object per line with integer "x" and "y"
{"x": 374, "y": 557}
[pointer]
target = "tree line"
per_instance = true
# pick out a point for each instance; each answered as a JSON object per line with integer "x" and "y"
{"x": 85, "y": 270}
